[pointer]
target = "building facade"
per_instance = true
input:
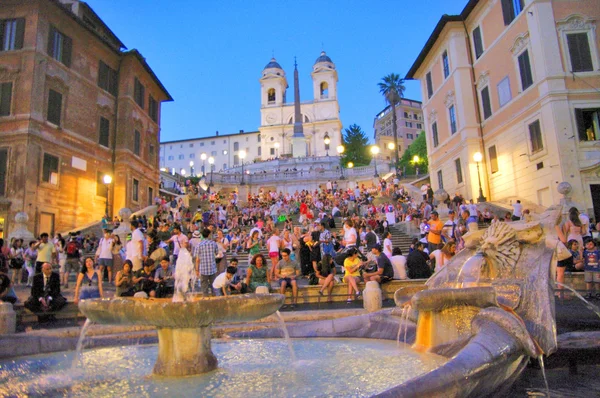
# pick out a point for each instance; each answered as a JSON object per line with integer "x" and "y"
{"x": 320, "y": 116}
{"x": 516, "y": 81}
{"x": 409, "y": 124}
{"x": 74, "y": 107}
{"x": 181, "y": 156}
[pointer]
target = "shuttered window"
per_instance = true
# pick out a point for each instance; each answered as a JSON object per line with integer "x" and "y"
{"x": 434, "y": 133}
{"x": 493, "y": 159}
{"x": 12, "y": 32}
{"x": 135, "y": 190}
{"x": 440, "y": 179}
{"x": 525, "y": 70}
{"x": 3, "y": 170}
{"x": 5, "y": 98}
{"x": 535, "y": 136}
{"x": 107, "y": 78}
{"x": 50, "y": 169}
{"x": 153, "y": 108}
{"x": 510, "y": 10}
{"x": 429, "y": 85}
{"x": 458, "y": 167}
{"x": 446, "y": 64}
{"x": 579, "y": 52}
{"x": 138, "y": 92}
{"x": 104, "y": 133}
{"x": 485, "y": 103}
{"x": 60, "y": 47}
{"x": 588, "y": 124}
{"x": 54, "y": 107}
{"x": 477, "y": 42}
{"x": 452, "y": 114}
{"x": 137, "y": 138}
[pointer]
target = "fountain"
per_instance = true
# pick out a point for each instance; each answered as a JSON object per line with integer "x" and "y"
{"x": 183, "y": 323}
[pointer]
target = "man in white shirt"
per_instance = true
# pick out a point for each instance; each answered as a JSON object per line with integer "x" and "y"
{"x": 517, "y": 211}
{"x": 137, "y": 246}
{"x": 449, "y": 227}
{"x": 104, "y": 256}
{"x": 398, "y": 263}
{"x": 472, "y": 207}
{"x": 179, "y": 240}
{"x": 585, "y": 225}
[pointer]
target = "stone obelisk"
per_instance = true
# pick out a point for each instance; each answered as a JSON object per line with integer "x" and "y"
{"x": 299, "y": 149}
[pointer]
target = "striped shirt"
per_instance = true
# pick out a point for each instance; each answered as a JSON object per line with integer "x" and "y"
{"x": 206, "y": 252}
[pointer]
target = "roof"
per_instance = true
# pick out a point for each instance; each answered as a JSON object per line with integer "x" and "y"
{"x": 397, "y": 106}
{"x": 445, "y": 19}
{"x": 273, "y": 64}
{"x": 142, "y": 60}
{"x": 209, "y": 137}
{"x": 323, "y": 58}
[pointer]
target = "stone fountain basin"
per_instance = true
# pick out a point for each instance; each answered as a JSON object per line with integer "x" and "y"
{"x": 196, "y": 312}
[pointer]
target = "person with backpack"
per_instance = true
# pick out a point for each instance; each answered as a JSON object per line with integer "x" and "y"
{"x": 73, "y": 251}
{"x": 104, "y": 257}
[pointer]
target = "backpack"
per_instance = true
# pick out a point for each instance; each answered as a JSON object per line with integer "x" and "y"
{"x": 71, "y": 248}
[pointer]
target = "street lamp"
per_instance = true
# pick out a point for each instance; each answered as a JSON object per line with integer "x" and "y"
{"x": 276, "y": 149}
{"x": 191, "y": 168}
{"x": 340, "y": 150}
{"x": 478, "y": 157}
{"x": 211, "y": 162}
{"x": 203, "y": 157}
{"x": 327, "y": 141}
{"x": 107, "y": 179}
{"x": 416, "y": 161}
{"x": 375, "y": 151}
{"x": 350, "y": 165}
{"x": 242, "y": 155}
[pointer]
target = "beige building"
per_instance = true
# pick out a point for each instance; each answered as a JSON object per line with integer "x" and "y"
{"x": 74, "y": 106}
{"x": 320, "y": 116}
{"x": 409, "y": 121}
{"x": 517, "y": 81}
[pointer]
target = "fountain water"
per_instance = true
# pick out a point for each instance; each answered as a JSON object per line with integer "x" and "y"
{"x": 185, "y": 275}
{"x": 286, "y": 335}
{"x": 589, "y": 305}
{"x": 79, "y": 346}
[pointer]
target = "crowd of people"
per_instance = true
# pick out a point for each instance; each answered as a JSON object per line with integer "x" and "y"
{"x": 283, "y": 236}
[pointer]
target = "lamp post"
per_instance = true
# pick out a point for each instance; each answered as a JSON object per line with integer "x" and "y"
{"x": 276, "y": 149}
{"x": 478, "y": 157}
{"x": 203, "y": 157}
{"x": 340, "y": 150}
{"x": 416, "y": 161}
{"x": 242, "y": 155}
{"x": 327, "y": 141}
{"x": 211, "y": 162}
{"x": 191, "y": 168}
{"x": 374, "y": 152}
{"x": 107, "y": 179}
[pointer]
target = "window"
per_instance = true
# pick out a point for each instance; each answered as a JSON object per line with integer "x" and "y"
{"x": 104, "y": 132}
{"x": 477, "y": 42}
{"x": 579, "y": 52}
{"x": 191, "y": 145}
{"x": 272, "y": 151}
{"x": 458, "y": 167}
{"x": 535, "y": 136}
{"x": 406, "y": 115}
{"x": 440, "y": 178}
{"x": 324, "y": 88}
{"x": 138, "y": 92}
{"x": 258, "y": 138}
{"x": 485, "y": 103}
{"x": 510, "y": 10}
{"x": 60, "y": 46}
{"x": 202, "y": 144}
{"x": 153, "y": 108}
{"x": 452, "y": 114}
{"x": 504, "y": 94}
{"x": 429, "y": 85}
{"x": 493, "y": 159}
{"x": 259, "y": 151}
{"x": 50, "y": 169}
{"x": 212, "y": 143}
{"x": 446, "y": 64}
{"x": 137, "y": 138}
{"x": 101, "y": 188}
{"x": 5, "y": 98}
{"x": 236, "y": 160}
{"x": 271, "y": 96}
{"x": 409, "y": 136}
{"x": 434, "y": 133}
{"x": 192, "y": 156}
{"x": 181, "y": 157}
{"x": 107, "y": 78}
{"x": 525, "y": 70}
{"x": 171, "y": 157}
{"x": 3, "y": 170}
{"x": 54, "y": 107}
{"x": 151, "y": 151}
{"x": 588, "y": 124}
{"x": 236, "y": 146}
{"x": 12, "y": 32}
{"x": 419, "y": 126}
{"x": 213, "y": 153}
{"x": 150, "y": 196}
{"x": 135, "y": 190}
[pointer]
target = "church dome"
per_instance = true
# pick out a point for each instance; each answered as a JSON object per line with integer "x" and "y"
{"x": 323, "y": 58}
{"x": 273, "y": 64}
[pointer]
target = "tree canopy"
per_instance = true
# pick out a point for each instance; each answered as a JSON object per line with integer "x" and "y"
{"x": 392, "y": 88}
{"x": 419, "y": 148}
{"x": 356, "y": 146}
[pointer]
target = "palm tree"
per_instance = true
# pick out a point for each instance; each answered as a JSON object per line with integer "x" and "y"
{"x": 392, "y": 88}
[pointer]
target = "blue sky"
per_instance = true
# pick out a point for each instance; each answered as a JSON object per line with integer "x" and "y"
{"x": 209, "y": 54}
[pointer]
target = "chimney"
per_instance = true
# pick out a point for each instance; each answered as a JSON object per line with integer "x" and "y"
{"x": 217, "y": 133}
{"x": 241, "y": 131}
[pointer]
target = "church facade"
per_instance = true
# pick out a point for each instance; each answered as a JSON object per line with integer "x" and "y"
{"x": 300, "y": 128}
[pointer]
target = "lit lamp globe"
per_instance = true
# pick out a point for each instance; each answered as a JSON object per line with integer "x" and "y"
{"x": 391, "y": 146}
{"x": 203, "y": 156}
{"x": 375, "y": 150}
{"x": 340, "y": 149}
{"x": 277, "y": 145}
{"x": 242, "y": 154}
{"x": 416, "y": 159}
{"x": 182, "y": 172}
{"x": 477, "y": 157}
{"x": 107, "y": 179}
{"x": 191, "y": 163}
{"x": 326, "y": 139}
{"x": 350, "y": 165}
{"x": 211, "y": 160}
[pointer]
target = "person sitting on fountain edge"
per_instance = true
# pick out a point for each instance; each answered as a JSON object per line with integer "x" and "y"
{"x": 165, "y": 279}
{"x": 416, "y": 263}
{"x": 287, "y": 271}
{"x": 591, "y": 258}
{"x": 144, "y": 279}
{"x": 222, "y": 283}
{"x": 45, "y": 292}
{"x": 385, "y": 270}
